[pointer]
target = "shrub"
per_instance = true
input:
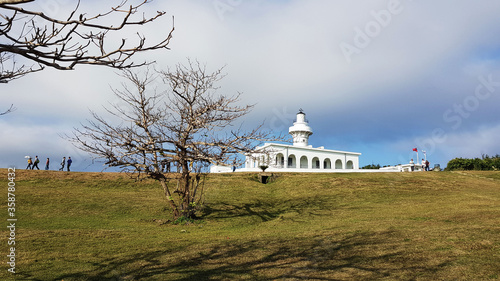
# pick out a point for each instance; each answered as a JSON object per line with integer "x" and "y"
{"x": 485, "y": 163}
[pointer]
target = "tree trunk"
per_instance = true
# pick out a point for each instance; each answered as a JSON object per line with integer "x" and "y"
{"x": 170, "y": 199}
{"x": 185, "y": 183}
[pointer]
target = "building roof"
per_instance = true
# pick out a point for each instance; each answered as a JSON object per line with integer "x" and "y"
{"x": 309, "y": 148}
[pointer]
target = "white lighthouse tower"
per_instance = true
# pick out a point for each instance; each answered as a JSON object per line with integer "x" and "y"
{"x": 300, "y": 131}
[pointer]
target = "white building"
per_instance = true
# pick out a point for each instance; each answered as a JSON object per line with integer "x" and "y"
{"x": 300, "y": 156}
{"x": 402, "y": 168}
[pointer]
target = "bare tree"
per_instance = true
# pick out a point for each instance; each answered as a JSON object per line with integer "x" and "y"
{"x": 187, "y": 125}
{"x": 62, "y": 43}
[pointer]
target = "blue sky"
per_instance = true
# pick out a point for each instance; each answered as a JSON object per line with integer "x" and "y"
{"x": 375, "y": 77}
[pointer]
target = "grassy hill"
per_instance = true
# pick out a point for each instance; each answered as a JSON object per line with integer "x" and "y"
{"x": 394, "y": 226}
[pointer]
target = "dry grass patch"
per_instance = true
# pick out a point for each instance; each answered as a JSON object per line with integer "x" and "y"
{"x": 394, "y": 226}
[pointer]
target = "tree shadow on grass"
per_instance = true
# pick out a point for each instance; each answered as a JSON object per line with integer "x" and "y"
{"x": 267, "y": 211}
{"x": 359, "y": 256}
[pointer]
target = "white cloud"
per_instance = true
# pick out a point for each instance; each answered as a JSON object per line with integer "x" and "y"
{"x": 285, "y": 55}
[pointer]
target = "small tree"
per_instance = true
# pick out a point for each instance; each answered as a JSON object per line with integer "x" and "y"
{"x": 185, "y": 125}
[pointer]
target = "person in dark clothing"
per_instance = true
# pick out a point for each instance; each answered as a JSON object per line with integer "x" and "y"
{"x": 35, "y": 164}
{"x": 162, "y": 164}
{"x": 69, "y": 163}
{"x": 47, "y": 164}
{"x": 63, "y": 163}
{"x": 165, "y": 166}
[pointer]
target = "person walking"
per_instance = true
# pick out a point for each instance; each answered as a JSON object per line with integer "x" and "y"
{"x": 423, "y": 164}
{"x": 35, "y": 164}
{"x": 63, "y": 163}
{"x": 47, "y": 164}
{"x": 30, "y": 164}
{"x": 412, "y": 165}
{"x": 163, "y": 165}
{"x": 69, "y": 163}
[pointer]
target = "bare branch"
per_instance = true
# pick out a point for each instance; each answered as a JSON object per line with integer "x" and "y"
{"x": 11, "y": 109}
{"x": 15, "y": 1}
{"x": 77, "y": 39}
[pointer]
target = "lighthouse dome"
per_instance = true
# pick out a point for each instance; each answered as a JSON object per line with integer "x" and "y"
{"x": 300, "y": 130}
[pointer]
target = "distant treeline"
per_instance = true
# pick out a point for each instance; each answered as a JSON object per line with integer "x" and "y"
{"x": 485, "y": 163}
{"x": 371, "y": 166}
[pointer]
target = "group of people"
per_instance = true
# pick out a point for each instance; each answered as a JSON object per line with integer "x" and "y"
{"x": 425, "y": 165}
{"x": 32, "y": 164}
{"x": 165, "y": 166}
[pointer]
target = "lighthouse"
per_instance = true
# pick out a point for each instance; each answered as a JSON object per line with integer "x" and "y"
{"x": 300, "y": 130}
{"x": 297, "y": 157}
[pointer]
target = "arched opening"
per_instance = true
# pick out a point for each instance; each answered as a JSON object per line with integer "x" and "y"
{"x": 315, "y": 163}
{"x": 338, "y": 164}
{"x": 303, "y": 162}
{"x": 349, "y": 165}
{"x": 292, "y": 162}
{"x": 327, "y": 164}
{"x": 280, "y": 160}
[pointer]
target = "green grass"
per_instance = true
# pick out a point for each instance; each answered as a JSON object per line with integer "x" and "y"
{"x": 391, "y": 226}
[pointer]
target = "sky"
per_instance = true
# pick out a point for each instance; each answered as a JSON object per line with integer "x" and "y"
{"x": 375, "y": 77}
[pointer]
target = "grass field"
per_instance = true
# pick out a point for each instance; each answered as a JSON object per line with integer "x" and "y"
{"x": 390, "y": 226}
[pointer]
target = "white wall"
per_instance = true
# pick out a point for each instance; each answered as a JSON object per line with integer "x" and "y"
{"x": 303, "y": 159}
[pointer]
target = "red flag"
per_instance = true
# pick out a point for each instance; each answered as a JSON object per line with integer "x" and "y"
{"x": 415, "y": 149}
